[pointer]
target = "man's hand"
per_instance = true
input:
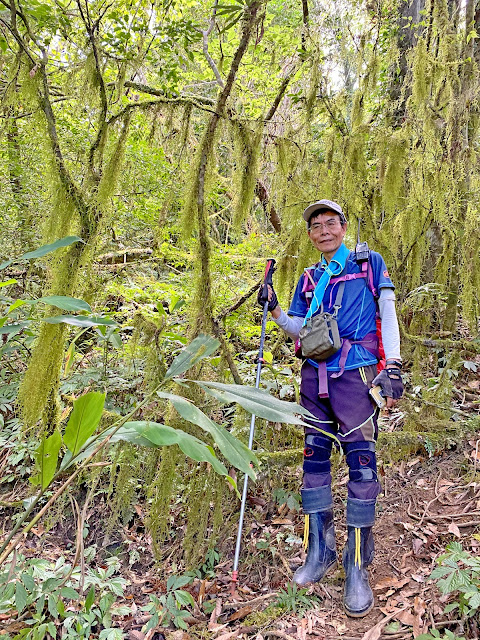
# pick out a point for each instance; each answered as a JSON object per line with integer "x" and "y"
{"x": 266, "y": 293}
{"x": 390, "y": 380}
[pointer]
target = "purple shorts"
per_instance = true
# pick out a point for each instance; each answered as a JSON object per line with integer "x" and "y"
{"x": 348, "y": 413}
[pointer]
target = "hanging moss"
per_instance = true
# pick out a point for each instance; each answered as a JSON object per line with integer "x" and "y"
{"x": 159, "y": 496}
{"x": 247, "y": 148}
{"x": 42, "y": 375}
{"x": 198, "y": 498}
{"x": 392, "y": 187}
{"x": 420, "y": 77}
{"x": 110, "y": 174}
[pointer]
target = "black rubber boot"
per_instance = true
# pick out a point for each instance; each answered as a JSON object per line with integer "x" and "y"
{"x": 321, "y": 553}
{"x": 358, "y": 554}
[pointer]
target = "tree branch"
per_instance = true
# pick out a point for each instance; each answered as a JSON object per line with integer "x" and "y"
{"x": 280, "y": 94}
{"x": 102, "y": 118}
{"x": 205, "y": 33}
{"x": 271, "y": 212}
{"x": 143, "y": 88}
{"x": 64, "y": 175}
{"x": 471, "y": 346}
{"x": 236, "y": 305}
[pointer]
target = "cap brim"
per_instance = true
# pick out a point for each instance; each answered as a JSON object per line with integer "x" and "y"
{"x": 316, "y": 207}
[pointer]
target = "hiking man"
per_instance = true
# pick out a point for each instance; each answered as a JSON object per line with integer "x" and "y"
{"x": 352, "y": 288}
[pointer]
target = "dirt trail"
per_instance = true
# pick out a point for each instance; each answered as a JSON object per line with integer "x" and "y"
{"x": 426, "y": 504}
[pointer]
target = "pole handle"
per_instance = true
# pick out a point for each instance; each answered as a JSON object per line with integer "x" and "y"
{"x": 268, "y": 278}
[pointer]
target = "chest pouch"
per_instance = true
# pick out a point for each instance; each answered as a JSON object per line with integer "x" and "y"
{"x": 319, "y": 337}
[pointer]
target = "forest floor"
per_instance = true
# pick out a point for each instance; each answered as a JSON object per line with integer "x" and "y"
{"x": 427, "y": 503}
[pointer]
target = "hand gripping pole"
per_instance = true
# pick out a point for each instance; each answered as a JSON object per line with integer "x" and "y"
{"x": 269, "y": 269}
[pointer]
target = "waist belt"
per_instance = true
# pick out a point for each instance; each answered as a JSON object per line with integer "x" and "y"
{"x": 369, "y": 342}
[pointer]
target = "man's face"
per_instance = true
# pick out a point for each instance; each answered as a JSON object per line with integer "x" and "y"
{"x": 326, "y": 233}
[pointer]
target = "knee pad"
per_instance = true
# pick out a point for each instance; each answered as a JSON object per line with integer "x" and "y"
{"x": 361, "y": 460}
{"x": 316, "y": 455}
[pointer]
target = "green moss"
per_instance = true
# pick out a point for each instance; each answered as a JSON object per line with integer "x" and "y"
{"x": 247, "y": 148}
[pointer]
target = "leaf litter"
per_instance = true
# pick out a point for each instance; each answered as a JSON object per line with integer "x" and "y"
{"x": 428, "y": 505}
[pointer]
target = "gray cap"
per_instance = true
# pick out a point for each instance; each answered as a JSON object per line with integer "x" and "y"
{"x": 323, "y": 205}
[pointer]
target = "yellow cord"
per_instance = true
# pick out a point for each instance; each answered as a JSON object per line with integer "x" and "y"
{"x": 363, "y": 375}
{"x": 306, "y": 531}
{"x": 358, "y": 554}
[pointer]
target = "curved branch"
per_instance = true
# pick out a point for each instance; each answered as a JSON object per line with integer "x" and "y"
{"x": 143, "y": 88}
{"x": 205, "y": 34}
{"x": 102, "y": 118}
{"x": 65, "y": 178}
{"x": 280, "y": 94}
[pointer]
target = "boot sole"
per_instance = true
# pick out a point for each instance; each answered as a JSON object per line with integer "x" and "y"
{"x": 331, "y": 568}
{"x": 352, "y": 614}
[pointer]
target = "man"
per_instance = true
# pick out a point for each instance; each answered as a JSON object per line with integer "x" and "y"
{"x": 336, "y": 391}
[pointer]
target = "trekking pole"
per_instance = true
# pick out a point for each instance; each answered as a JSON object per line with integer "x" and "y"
{"x": 269, "y": 269}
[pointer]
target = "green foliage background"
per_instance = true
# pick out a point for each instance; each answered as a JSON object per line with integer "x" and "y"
{"x": 183, "y": 161}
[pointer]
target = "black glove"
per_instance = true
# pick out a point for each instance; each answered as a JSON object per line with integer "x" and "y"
{"x": 262, "y": 297}
{"x": 390, "y": 379}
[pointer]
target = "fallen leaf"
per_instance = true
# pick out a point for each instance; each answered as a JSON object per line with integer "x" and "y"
{"x": 417, "y": 546}
{"x": 419, "y": 609}
{"x": 212, "y": 624}
{"x": 452, "y": 528}
{"x": 376, "y": 631}
{"x": 418, "y": 578}
{"x": 281, "y": 521}
{"x": 241, "y": 613}
{"x": 407, "y": 618}
{"x": 392, "y": 583}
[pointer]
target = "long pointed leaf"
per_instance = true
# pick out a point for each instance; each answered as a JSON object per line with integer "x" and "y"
{"x": 202, "y": 347}
{"x": 260, "y": 403}
{"x": 46, "y": 457}
{"x": 233, "y": 449}
{"x": 80, "y": 321}
{"x": 43, "y": 251}
{"x": 161, "y": 435}
{"x": 66, "y": 303}
{"x": 86, "y": 414}
{"x": 256, "y": 401}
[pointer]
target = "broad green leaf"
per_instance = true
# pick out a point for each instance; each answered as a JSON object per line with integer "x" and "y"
{"x": 176, "y": 582}
{"x": 28, "y": 581}
{"x": 233, "y": 449}
{"x": 46, "y": 457}
{"x": 202, "y": 347}
{"x": 44, "y": 250}
{"x": 123, "y": 434}
{"x": 184, "y": 598}
{"x": 69, "y": 358}
{"x": 256, "y": 401}
{"x": 52, "y": 606}
{"x": 86, "y": 414}
{"x": 161, "y": 435}
{"x": 69, "y": 593}
{"x": 7, "y": 283}
{"x": 89, "y": 600}
{"x": 66, "y": 303}
{"x": 14, "y": 328}
{"x": 48, "y": 248}
{"x": 80, "y": 321}
{"x": 21, "y": 597}
{"x": 16, "y": 305}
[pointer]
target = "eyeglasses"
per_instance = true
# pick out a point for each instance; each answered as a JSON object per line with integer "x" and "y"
{"x": 329, "y": 224}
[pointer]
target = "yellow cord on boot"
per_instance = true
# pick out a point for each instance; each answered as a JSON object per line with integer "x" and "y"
{"x": 358, "y": 553}
{"x": 306, "y": 531}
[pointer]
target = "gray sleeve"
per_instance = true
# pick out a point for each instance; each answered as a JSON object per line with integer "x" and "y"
{"x": 291, "y": 325}
{"x": 390, "y": 331}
